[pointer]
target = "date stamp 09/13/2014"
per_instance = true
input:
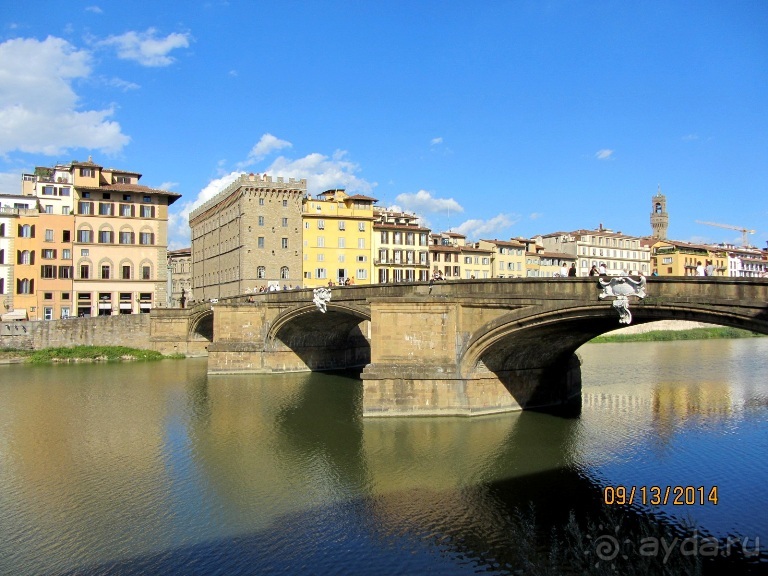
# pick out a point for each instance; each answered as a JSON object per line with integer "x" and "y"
{"x": 660, "y": 495}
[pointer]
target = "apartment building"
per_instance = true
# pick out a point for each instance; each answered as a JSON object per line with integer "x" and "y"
{"x": 401, "y": 247}
{"x": 180, "y": 277}
{"x": 508, "y": 257}
{"x": 621, "y": 253}
{"x": 248, "y": 237}
{"x": 454, "y": 259}
{"x": 675, "y": 258}
{"x": 337, "y": 239}
{"x": 101, "y": 238}
{"x": 11, "y": 207}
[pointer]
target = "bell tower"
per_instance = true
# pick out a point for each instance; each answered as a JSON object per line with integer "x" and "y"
{"x": 659, "y": 216}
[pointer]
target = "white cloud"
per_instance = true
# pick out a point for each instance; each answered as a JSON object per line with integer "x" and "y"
{"x": 10, "y": 183}
{"x": 94, "y": 9}
{"x": 423, "y": 201}
{"x": 436, "y": 141}
{"x": 603, "y": 154}
{"x": 266, "y": 144}
{"x": 690, "y": 137}
{"x": 535, "y": 215}
{"x": 146, "y": 48}
{"x": 323, "y": 172}
{"x": 38, "y": 107}
{"x": 168, "y": 186}
{"x": 476, "y": 229}
{"x": 179, "y": 235}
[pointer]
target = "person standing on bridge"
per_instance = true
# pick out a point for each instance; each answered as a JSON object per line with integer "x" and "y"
{"x": 564, "y": 270}
{"x": 572, "y": 270}
{"x": 699, "y": 269}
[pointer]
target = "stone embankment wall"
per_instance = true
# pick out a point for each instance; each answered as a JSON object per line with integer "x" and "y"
{"x": 125, "y": 330}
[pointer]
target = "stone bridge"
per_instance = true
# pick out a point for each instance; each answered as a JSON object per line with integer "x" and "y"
{"x": 461, "y": 347}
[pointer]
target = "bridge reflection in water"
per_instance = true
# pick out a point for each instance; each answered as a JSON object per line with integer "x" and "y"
{"x": 458, "y": 348}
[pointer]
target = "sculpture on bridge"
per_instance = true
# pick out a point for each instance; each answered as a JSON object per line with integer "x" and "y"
{"x": 622, "y": 287}
{"x": 321, "y": 297}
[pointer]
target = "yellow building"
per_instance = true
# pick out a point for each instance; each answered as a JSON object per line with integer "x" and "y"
{"x": 26, "y": 276}
{"x": 401, "y": 248}
{"x": 508, "y": 257}
{"x": 541, "y": 264}
{"x": 337, "y": 239}
{"x": 674, "y": 258}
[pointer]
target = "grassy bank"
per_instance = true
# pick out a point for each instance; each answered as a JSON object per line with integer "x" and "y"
{"x": 667, "y": 335}
{"x": 84, "y": 354}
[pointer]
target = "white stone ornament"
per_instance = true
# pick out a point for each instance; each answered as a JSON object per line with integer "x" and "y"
{"x": 621, "y": 288}
{"x": 321, "y": 297}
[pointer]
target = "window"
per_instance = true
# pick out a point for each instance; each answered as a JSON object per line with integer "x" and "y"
{"x": 321, "y": 257}
{"x": 47, "y": 190}
{"x": 384, "y": 237}
{"x": 85, "y": 195}
{"x": 64, "y": 191}
{"x": 24, "y": 257}
{"x": 283, "y": 242}
{"x": 65, "y": 273}
{"x": 126, "y": 210}
{"x": 125, "y": 272}
{"x": 342, "y": 225}
{"x": 261, "y": 272}
{"x": 64, "y": 312}
{"x": 285, "y": 222}
{"x": 26, "y": 231}
{"x": 85, "y": 208}
{"x": 65, "y": 210}
{"x": 126, "y": 197}
{"x": 362, "y": 274}
{"x": 320, "y": 273}
{"x": 25, "y": 286}
{"x": 285, "y": 203}
{"x": 106, "y": 209}
{"x": 260, "y": 242}
{"x": 85, "y": 252}
{"x": 147, "y": 212}
{"x": 105, "y": 272}
{"x": 85, "y": 271}
{"x": 342, "y": 243}
{"x": 361, "y": 243}
{"x": 47, "y": 271}
{"x": 123, "y": 179}
{"x": 261, "y": 220}
{"x": 147, "y": 199}
{"x": 321, "y": 224}
{"x": 284, "y": 273}
{"x": 85, "y": 236}
{"x": 321, "y": 241}
{"x": 48, "y": 254}
{"x": 47, "y": 313}
{"x": 86, "y": 172}
{"x": 66, "y": 236}
{"x": 261, "y": 201}
{"x": 105, "y": 236}
{"x": 146, "y": 238}
{"x": 48, "y": 209}
{"x": 361, "y": 226}
{"x": 362, "y": 258}
{"x": 126, "y": 237}
{"x": 146, "y": 273}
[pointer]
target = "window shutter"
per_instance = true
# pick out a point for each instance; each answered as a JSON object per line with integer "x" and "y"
{"x": 32, "y": 257}
{"x": 33, "y": 231}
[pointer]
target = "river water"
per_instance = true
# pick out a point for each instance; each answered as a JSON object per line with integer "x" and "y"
{"x": 157, "y": 468}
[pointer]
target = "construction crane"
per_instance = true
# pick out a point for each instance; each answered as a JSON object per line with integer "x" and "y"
{"x": 744, "y": 231}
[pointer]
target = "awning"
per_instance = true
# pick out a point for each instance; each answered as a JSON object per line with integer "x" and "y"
{"x": 145, "y": 305}
{"x": 125, "y": 305}
{"x": 18, "y": 314}
{"x": 106, "y": 306}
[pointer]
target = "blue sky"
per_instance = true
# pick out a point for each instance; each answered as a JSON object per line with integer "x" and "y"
{"x": 494, "y": 119}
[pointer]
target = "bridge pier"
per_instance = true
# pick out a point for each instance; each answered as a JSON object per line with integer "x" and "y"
{"x": 417, "y": 348}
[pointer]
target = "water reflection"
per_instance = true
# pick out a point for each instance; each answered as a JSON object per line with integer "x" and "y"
{"x": 157, "y": 468}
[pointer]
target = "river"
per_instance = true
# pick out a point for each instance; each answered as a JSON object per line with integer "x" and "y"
{"x": 157, "y": 468}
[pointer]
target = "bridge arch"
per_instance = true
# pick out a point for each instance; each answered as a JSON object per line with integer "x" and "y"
{"x": 336, "y": 339}
{"x": 201, "y": 324}
{"x": 545, "y": 343}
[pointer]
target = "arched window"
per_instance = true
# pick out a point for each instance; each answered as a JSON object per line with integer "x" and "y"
{"x": 261, "y": 272}
{"x": 24, "y": 257}
{"x": 284, "y": 272}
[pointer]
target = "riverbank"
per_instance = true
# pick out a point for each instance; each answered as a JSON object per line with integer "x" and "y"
{"x": 708, "y": 333}
{"x": 81, "y": 354}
